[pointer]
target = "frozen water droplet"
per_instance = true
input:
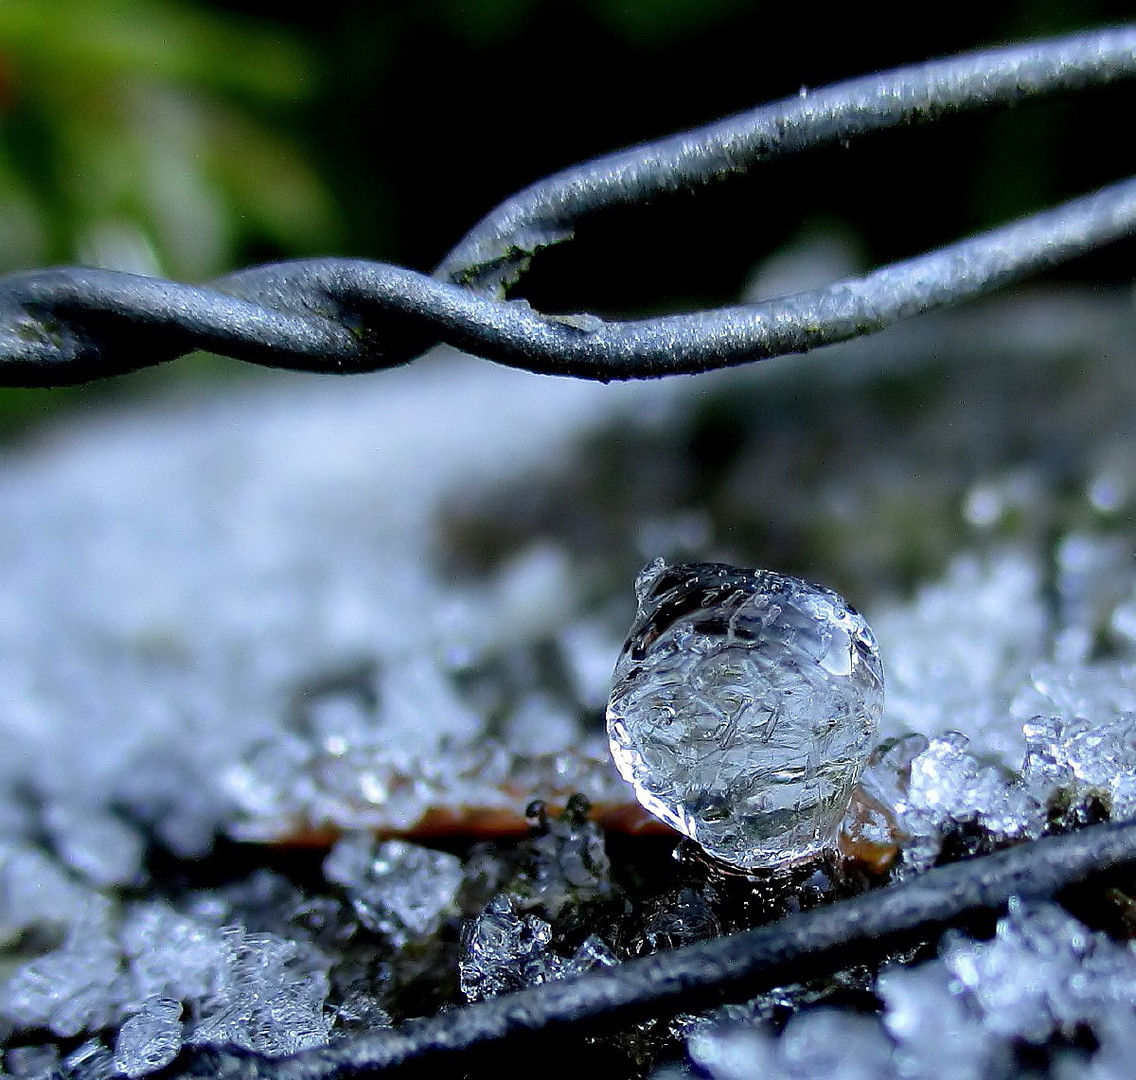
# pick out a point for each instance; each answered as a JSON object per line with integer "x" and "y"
{"x": 744, "y": 707}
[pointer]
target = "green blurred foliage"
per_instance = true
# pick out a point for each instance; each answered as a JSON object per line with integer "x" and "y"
{"x": 138, "y": 135}
{"x": 151, "y": 136}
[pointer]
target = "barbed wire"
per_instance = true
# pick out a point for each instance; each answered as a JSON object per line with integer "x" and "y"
{"x": 66, "y": 326}
{"x": 728, "y": 968}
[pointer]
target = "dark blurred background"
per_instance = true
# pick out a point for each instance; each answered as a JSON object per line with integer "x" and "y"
{"x": 190, "y": 137}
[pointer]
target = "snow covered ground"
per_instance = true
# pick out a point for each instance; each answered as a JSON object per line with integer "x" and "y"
{"x": 311, "y": 602}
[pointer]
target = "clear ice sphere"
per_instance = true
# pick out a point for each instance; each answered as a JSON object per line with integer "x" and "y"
{"x": 744, "y": 707}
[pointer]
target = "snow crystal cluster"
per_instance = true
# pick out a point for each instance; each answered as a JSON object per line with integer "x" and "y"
{"x": 397, "y": 889}
{"x": 219, "y": 617}
{"x": 136, "y": 969}
{"x": 223, "y": 616}
{"x": 1033, "y": 733}
{"x": 1048, "y": 739}
{"x": 973, "y": 1012}
{"x": 509, "y": 944}
{"x": 257, "y": 964}
{"x": 503, "y": 950}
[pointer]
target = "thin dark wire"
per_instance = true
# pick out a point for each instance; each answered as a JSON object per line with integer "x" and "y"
{"x": 725, "y": 968}
{"x": 341, "y": 315}
{"x": 496, "y": 251}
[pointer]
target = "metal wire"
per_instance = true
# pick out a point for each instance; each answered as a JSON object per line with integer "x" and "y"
{"x": 342, "y": 315}
{"x": 732, "y": 967}
{"x": 496, "y": 251}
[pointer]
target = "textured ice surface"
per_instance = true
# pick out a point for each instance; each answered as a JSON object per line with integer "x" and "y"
{"x": 502, "y": 950}
{"x": 1044, "y": 972}
{"x": 1046, "y": 722}
{"x": 1084, "y": 758}
{"x": 958, "y": 654}
{"x": 150, "y": 1038}
{"x": 398, "y": 889}
{"x": 89, "y": 1061}
{"x": 931, "y": 786}
{"x": 744, "y": 707}
{"x": 271, "y": 996}
{"x": 171, "y": 955}
{"x": 77, "y": 987}
{"x": 259, "y": 991}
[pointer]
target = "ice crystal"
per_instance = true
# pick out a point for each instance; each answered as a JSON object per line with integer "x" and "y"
{"x": 1084, "y": 758}
{"x": 76, "y": 987}
{"x": 503, "y": 950}
{"x": 565, "y": 862}
{"x": 150, "y": 1038}
{"x": 931, "y": 786}
{"x": 90, "y": 1061}
{"x": 260, "y": 991}
{"x": 32, "y": 1062}
{"x": 271, "y": 996}
{"x": 744, "y": 707}
{"x": 818, "y": 1044}
{"x": 398, "y": 889}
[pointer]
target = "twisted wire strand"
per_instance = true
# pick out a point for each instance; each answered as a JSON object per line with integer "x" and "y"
{"x": 344, "y": 315}
{"x": 496, "y": 251}
{"x": 732, "y": 967}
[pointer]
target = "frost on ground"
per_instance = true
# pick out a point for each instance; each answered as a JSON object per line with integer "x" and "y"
{"x": 973, "y": 1012}
{"x": 133, "y": 969}
{"x": 391, "y": 605}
